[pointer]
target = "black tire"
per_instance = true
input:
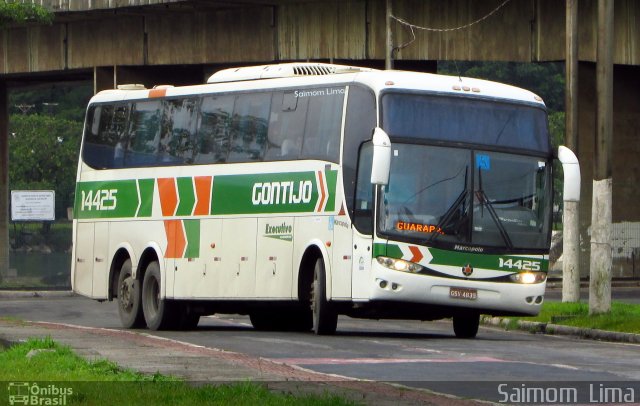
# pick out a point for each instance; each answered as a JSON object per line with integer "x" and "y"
{"x": 129, "y": 302}
{"x": 158, "y": 313}
{"x": 466, "y": 326}
{"x": 325, "y": 318}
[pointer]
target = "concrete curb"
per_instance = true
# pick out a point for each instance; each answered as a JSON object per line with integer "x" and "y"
{"x": 557, "y": 329}
{"x": 556, "y": 283}
{"x": 11, "y": 294}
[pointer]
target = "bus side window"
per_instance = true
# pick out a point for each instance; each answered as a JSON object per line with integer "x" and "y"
{"x": 144, "y": 134}
{"x": 249, "y": 126}
{"x": 118, "y": 132}
{"x": 214, "y": 129}
{"x": 105, "y": 135}
{"x": 97, "y": 145}
{"x": 177, "y": 139}
{"x": 286, "y": 126}
{"x": 324, "y": 120}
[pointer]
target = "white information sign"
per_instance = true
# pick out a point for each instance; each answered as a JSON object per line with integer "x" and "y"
{"x": 33, "y": 205}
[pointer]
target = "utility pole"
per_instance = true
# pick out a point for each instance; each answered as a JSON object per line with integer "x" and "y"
{"x": 570, "y": 218}
{"x": 600, "y": 264}
{"x": 4, "y": 182}
{"x": 388, "y": 60}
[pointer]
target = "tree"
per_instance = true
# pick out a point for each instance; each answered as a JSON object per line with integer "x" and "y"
{"x": 21, "y": 13}
{"x": 43, "y": 154}
{"x": 544, "y": 79}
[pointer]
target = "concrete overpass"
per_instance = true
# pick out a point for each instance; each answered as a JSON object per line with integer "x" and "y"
{"x": 183, "y": 41}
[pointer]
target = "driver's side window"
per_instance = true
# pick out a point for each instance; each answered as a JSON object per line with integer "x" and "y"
{"x": 363, "y": 209}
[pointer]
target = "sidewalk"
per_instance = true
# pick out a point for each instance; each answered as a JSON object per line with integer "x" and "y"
{"x": 143, "y": 352}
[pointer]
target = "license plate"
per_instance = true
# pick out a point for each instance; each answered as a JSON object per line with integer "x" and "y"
{"x": 463, "y": 293}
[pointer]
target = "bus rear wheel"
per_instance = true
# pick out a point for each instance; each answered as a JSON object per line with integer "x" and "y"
{"x": 129, "y": 303}
{"x": 158, "y": 313}
{"x": 466, "y": 326}
{"x": 325, "y": 318}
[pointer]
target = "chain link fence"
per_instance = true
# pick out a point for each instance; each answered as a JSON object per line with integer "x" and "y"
{"x": 40, "y": 256}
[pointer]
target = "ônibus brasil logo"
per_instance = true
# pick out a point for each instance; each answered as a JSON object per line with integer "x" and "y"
{"x": 25, "y": 393}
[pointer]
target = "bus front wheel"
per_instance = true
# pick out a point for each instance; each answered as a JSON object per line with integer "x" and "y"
{"x": 129, "y": 307}
{"x": 157, "y": 312}
{"x": 325, "y": 318}
{"x": 466, "y": 326}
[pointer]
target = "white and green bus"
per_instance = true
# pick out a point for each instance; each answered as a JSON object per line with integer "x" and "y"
{"x": 295, "y": 193}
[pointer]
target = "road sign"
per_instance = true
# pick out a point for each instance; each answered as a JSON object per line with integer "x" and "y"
{"x": 33, "y": 205}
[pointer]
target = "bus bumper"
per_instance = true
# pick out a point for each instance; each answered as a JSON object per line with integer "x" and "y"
{"x": 487, "y": 297}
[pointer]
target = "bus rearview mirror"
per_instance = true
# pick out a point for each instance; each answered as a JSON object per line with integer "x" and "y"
{"x": 381, "y": 157}
{"x": 571, "y": 169}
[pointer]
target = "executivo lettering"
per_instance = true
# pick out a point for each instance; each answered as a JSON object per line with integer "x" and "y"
{"x": 283, "y": 231}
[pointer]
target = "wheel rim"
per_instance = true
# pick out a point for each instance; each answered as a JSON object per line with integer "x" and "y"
{"x": 124, "y": 295}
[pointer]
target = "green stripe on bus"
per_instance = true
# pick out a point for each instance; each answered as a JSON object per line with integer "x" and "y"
{"x": 294, "y": 192}
{"x": 146, "y": 187}
{"x": 460, "y": 259}
{"x": 332, "y": 180}
{"x": 113, "y": 199}
{"x": 186, "y": 195}
{"x": 192, "y": 231}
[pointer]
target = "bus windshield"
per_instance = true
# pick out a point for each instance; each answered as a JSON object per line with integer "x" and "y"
{"x": 449, "y": 186}
{"x": 465, "y": 120}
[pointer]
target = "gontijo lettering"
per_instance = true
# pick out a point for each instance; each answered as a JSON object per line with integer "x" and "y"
{"x": 281, "y": 192}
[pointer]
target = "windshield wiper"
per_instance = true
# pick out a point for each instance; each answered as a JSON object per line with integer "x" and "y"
{"x": 448, "y": 215}
{"x": 484, "y": 200}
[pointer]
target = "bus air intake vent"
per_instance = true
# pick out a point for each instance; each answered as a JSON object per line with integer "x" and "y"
{"x": 283, "y": 70}
{"x": 312, "y": 70}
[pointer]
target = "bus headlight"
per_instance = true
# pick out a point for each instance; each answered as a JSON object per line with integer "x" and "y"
{"x": 528, "y": 277}
{"x": 399, "y": 265}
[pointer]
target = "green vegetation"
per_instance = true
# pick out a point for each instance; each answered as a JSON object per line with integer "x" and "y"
{"x": 624, "y": 317}
{"x": 15, "y": 12}
{"x": 544, "y": 79}
{"x": 43, "y": 151}
{"x": 103, "y": 382}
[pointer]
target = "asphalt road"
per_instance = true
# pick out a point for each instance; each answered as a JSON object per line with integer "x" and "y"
{"x": 417, "y": 354}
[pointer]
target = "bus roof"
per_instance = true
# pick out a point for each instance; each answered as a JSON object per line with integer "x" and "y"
{"x": 292, "y": 75}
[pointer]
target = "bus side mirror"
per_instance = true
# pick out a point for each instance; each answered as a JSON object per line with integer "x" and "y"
{"x": 381, "y": 164}
{"x": 571, "y": 168}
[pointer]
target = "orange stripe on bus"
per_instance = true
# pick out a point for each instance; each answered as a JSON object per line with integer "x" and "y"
{"x": 168, "y": 196}
{"x": 176, "y": 240}
{"x": 203, "y": 194}
{"x": 157, "y": 93}
{"x": 323, "y": 195}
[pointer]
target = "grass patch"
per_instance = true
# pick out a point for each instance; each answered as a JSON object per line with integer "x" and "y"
{"x": 623, "y": 317}
{"x": 103, "y": 382}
